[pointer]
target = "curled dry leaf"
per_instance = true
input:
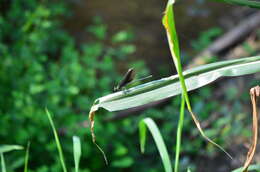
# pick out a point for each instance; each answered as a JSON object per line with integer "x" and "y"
{"x": 92, "y": 123}
{"x": 254, "y": 94}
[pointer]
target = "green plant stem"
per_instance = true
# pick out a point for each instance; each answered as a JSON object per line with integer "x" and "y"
{"x": 57, "y": 141}
{"x": 179, "y": 134}
{"x": 3, "y": 163}
{"x": 26, "y": 158}
{"x": 174, "y": 48}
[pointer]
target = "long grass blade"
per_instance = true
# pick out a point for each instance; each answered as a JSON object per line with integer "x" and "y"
{"x": 179, "y": 133}
{"x": 250, "y": 3}
{"x": 142, "y": 135}
{"x": 8, "y": 148}
{"x": 158, "y": 141}
{"x": 26, "y": 158}
{"x": 169, "y": 24}
{"x": 3, "y": 163}
{"x": 77, "y": 152}
{"x": 168, "y": 87}
{"x": 57, "y": 141}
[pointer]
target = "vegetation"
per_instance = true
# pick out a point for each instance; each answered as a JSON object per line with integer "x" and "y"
{"x": 41, "y": 66}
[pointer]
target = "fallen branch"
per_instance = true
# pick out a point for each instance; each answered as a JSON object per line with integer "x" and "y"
{"x": 229, "y": 39}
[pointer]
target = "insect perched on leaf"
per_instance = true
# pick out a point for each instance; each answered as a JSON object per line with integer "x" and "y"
{"x": 127, "y": 79}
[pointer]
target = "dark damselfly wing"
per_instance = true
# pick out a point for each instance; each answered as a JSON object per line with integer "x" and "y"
{"x": 129, "y": 77}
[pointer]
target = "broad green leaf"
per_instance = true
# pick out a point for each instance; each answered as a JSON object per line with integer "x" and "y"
{"x": 250, "y": 168}
{"x": 57, "y": 141}
{"x": 250, "y": 3}
{"x": 170, "y": 86}
{"x": 3, "y": 162}
{"x": 77, "y": 152}
{"x": 8, "y": 148}
{"x": 158, "y": 141}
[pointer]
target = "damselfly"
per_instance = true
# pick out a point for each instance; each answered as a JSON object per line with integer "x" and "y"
{"x": 127, "y": 79}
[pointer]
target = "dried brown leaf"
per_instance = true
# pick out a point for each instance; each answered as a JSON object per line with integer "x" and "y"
{"x": 92, "y": 123}
{"x": 254, "y": 94}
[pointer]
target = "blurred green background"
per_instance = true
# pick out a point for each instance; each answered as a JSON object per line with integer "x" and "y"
{"x": 64, "y": 54}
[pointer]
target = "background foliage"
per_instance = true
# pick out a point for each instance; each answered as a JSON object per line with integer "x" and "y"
{"x": 41, "y": 66}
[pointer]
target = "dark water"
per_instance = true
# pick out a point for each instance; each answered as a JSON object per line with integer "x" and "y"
{"x": 144, "y": 18}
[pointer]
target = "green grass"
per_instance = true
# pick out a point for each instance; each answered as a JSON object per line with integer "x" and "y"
{"x": 3, "y": 162}
{"x": 178, "y": 136}
{"x": 76, "y": 151}
{"x": 151, "y": 125}
{"x": 177, "y": 84}
{"x": 57, "y": 141}
{"x": 26, "y": 158}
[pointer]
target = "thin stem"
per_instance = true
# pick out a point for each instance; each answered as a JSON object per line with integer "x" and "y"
{"x": 3, "y": 162}
{"x": 179, "y": 133}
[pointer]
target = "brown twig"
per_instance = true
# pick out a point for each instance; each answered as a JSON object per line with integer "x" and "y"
{"x": 228, "y": 40}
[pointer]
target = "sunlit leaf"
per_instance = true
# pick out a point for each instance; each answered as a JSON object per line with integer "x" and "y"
{"x": 170, "y": 86}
